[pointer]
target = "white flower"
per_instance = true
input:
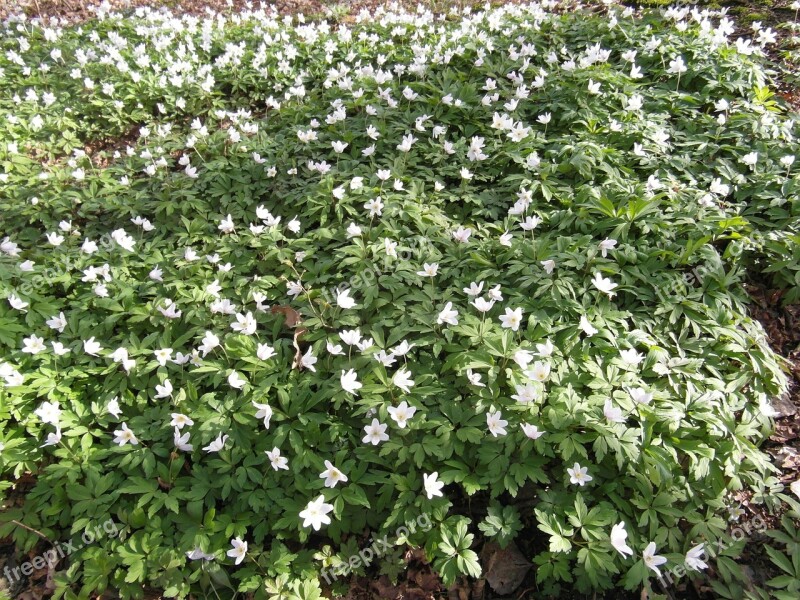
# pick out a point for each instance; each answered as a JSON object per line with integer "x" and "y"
{"x": 236, "y": 381}
{"x": 640, "y": 396}
{"x": 182, "y": 441}
{"x": 402, "y": 413}
{"x": 474, "y": 289}
{"x": 332, "y": 475}
{"x": 402, "y": 379}
{"x": 606, "y": 245}
{"x": 17, "y": 303}
{"x": 429, "y": 270}
{"x": 217, "y": 445}
{"x": 226, "y": 225}
{"x": 522, "y": 357}
{"x": 165, "y": 390}
{"x": 548, "y": 266}
{"x": 265, "y": 351}
{"x": 308, "y": 360}
{"x": 277, "y": 461}
{"x": 408, "y": 141}
{"x": 55, "y": 239}
{"x": 198, "y": 554}
{"x": 343, "y": 299}
{"x": 604, "y": 284}
{"x": 8, "y": 247}
{"x": 631, "y": 357}
{"x": 677, "y": 66}
{"x": 448, "y": 315}
{"x": 618, "y": 537}
{"x": 530, "y": 223}
{"x": 433, "y": 487}
{"x": 462, "y": 235}
{"x": 512, "y": 319}
{"x": 113, "y": 407}
{"x": 239, "y": 550}
{"x": 735, "y": 513}
{"x": 156, "y": 274}
{"x": 375, "y": 433}
{"x": 123, "y": 239}
{"x": 651, "y": 559}
{"x": 634, "y": 103}
{"x": 402, "y": 348}
{"x": 53, "y": 438}
{"x": 210, "y": 341}
{"x": 475, "y": 378}
{"x": 351, "y": 337}
{"x": 245, "y": 324}
{"x": 58, "y": 322}
{"x": 214, "y": 288}
{"x": 49, "y": 412}
{"x": 294, "y": 288}
{"x": 33, "y": 345}
{"x": 612, "y": 413}
{"x": 91, "y": 347}
{"x": 540, "y": 371}
{"x": 179, "y": 421}
{"x": 750, "y": 159}
{"x": 263, "y": 411}
{"x": 163, "y": 356}
{"x": 694, "y": 558}
{"x": 316, "y": 513}
{"x": 482, "y": 304}
{"x": 375, "y": 207}
{"x": 496, "y": 423}
{"x": 579, "y": 475}
{"x": 125, "y": 436}
{"x": 350, "y": 383}
{"x": 532, "y": 431}
{"x": 526, "y": 393}
{"x": 586, "y": 326}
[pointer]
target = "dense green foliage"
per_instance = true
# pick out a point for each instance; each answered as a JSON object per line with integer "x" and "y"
{"x": 266, "y": 167}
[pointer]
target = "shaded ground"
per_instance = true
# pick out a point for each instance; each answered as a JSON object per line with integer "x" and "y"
{"x": 78, "y": 10}
{"x": 782, "y": 324}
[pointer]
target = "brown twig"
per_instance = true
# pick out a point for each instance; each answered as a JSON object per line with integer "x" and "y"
{"x": 31, "y": 529}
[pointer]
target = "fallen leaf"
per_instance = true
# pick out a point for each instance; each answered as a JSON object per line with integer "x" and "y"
{"x": 291, "y": 315}
{"x": 298, "y": 354}
{"x": 505, "y": 567}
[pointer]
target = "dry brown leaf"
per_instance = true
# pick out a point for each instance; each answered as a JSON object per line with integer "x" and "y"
{"x": 291, "y": 315}
{"x": 505, "y": 567}
{"x": 298, "y": 354}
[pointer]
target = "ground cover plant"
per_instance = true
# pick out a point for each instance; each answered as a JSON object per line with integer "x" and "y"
{"x": 274, "y": 289}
